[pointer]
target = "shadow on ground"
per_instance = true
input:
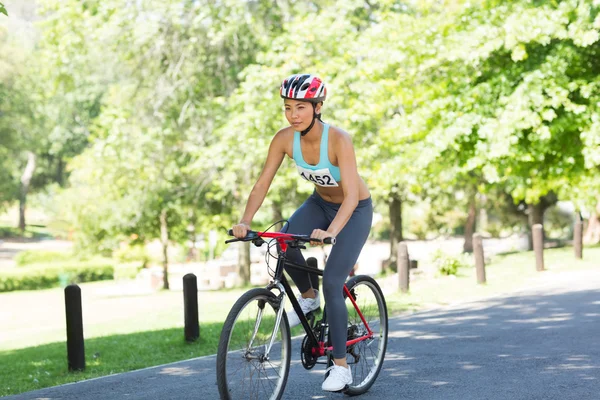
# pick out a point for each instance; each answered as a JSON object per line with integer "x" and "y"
{"x": 541, "y": 346}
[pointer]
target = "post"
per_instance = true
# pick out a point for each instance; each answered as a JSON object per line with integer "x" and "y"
{"x": 403, "y": 267}
{"x": 578, "y": 239}
{"x": 314, "y": 278}
{"x": 190, "y": 304}
{"x": 479, "y": 259}
{"x": 75, "y": 344}
{"x": 538, "y": 246}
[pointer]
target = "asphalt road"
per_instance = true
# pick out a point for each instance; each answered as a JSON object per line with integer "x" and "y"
{"x": 539, "y": 344}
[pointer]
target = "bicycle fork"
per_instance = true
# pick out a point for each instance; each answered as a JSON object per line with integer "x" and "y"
{"x": 261, "y": 308}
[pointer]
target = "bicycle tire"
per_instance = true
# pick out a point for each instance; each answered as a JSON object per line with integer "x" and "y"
{"x": 364, "y": 373}
{"x": 232, "y": 389}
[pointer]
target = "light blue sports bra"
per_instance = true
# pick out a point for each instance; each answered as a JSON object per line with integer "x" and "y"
{"x": 324, "y": 173}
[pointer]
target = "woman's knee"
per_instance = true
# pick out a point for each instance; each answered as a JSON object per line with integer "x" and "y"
{"x": 333, "y": 286}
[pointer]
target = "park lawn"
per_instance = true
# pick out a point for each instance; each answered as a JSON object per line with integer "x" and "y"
{"x": 504, "y": 274}
{"x": 127, "y": 343}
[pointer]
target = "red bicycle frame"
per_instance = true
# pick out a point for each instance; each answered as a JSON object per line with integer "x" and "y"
{"x": 285, "y": 240}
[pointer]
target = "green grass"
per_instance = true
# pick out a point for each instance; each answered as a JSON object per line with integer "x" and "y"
{"x": 137, "y": 331}
{"x": 504, "y": 274}
{"x": 42, "y": 366}
{"x": 31, "y": 232}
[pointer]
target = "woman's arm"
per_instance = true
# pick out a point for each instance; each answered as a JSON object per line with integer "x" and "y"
{"x": 261, "y": 187}
{"x": 350, "y": 182}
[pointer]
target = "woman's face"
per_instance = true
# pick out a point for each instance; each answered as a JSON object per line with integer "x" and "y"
{"x": 300, "y": 113}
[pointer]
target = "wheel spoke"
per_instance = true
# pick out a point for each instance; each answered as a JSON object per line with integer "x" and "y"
{"x": 367, "y": 354}
{"x": 242, "y": 368}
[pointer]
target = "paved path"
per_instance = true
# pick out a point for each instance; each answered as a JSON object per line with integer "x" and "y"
{"x": 539, "y": 344}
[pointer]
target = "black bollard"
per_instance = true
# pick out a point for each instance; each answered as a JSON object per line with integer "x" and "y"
{"x": 75, "y": 344}
{"x": 190, "y": 304}
{"x": 314, "y": 278}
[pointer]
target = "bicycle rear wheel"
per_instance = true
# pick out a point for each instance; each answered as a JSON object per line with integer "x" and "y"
{"x": 366, "y": 357}
{"x": 244, "y": 370}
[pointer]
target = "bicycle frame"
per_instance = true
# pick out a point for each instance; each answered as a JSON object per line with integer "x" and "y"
{"x": 280, "y": 281}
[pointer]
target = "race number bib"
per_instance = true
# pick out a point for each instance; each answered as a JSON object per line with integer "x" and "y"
{"x": 321, "y": 177}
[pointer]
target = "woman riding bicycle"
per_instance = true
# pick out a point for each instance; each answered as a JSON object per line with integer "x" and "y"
{"x": 339, "y": 207}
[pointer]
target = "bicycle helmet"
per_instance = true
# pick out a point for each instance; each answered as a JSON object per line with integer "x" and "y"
{"x": 304, "y": 87}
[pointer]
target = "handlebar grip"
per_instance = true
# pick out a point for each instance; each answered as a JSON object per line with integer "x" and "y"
{"x": 230, "y": 232}
{"x": 329, "y": 240}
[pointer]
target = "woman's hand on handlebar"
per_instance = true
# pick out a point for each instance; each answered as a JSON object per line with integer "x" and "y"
{"x": 320, "y": 234}
{"x": 240, "y": 230}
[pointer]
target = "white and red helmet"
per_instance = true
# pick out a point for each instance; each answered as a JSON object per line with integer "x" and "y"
{"x": 303, "y": 87}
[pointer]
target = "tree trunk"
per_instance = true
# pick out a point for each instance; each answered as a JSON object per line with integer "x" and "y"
{"x": 395, "y": 209}
{"x": 592, "y": 232}
{"x": 482, "y": 220}
{"x": 535, "y": 216}
{"x": 25, "y": 183}
{"x": 60, "y": 172}
{"x": 244, "y": 263}
{"x": 470, "y": 225}
{"x": 277, "y": 213}
{"x": 164, "y": 239}
{"x": 536, "y": 213}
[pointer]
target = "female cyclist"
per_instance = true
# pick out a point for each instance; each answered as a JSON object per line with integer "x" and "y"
{"x": 339, "y": 207}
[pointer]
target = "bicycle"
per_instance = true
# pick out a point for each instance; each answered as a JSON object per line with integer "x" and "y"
{"x": 255, "y": 342}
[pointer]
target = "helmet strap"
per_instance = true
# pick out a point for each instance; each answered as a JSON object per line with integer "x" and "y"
{"x": 315, "y": 116}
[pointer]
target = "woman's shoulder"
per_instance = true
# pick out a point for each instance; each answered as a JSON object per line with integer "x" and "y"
{"x": 284, "y": 133}
{"x": 339, "y": 135}
{"x": 283, "y": 139}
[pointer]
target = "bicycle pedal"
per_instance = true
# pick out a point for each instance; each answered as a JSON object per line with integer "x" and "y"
{"x": 344, "y": 390}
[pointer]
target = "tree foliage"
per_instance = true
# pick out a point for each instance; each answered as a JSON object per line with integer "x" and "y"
{"x": 143, "y": 109}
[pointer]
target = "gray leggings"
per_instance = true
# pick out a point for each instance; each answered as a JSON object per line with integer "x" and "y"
{"x": 316, "y": 213}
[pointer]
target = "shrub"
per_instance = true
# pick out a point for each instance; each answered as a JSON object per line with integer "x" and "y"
{"x": 29, "y": 257}
{"x": 448, "y": 264}
{"x": 129, "y": 254}
{"x": 44, "y": 276}
{"x": 127, "y": 270}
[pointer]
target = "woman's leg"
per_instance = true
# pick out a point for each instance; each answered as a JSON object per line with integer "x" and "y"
{"x": 341, "y": 260}
{"x": 308, "y": 217}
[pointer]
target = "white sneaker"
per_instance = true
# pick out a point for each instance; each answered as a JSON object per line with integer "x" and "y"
{"x": 307, "y": 305}
{"x": 339, "y": 377}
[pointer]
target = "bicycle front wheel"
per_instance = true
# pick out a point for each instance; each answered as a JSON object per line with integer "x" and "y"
{"x": 366, "y": 357}
{"x": 246, "y": 367}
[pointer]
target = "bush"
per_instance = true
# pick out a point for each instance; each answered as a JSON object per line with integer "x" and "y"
{"x": 127, "y": 270}
{"x": 44, "y": 276}
{"x": 448, "y": 264}
{"x": 29, "y": 257}
{"x": 128, "y": 254}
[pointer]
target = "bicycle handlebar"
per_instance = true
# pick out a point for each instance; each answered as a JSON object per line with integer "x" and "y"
{"x": 251, "y": 235}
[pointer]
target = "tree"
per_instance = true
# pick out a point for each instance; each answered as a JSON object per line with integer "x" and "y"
{"x": 518, "y": 99}
{"x": 158, "y": 120}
